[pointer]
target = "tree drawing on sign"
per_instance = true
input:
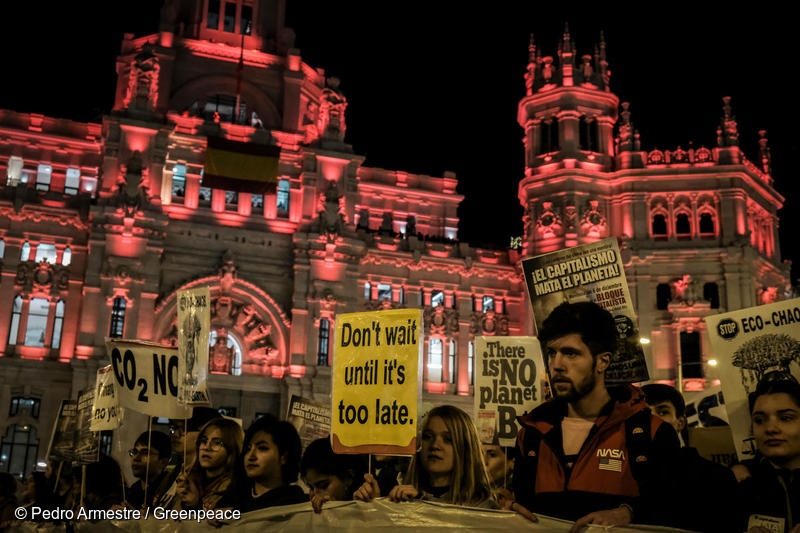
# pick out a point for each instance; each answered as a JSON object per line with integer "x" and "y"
{"x": 765, "y": 353}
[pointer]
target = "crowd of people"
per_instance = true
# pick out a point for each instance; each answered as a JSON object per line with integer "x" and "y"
{"x": 592, "y": 454}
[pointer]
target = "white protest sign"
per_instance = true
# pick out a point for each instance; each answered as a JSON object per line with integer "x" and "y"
{"x": 194, "y": 322}
{"x": 146, "y": 375}
{"x": 509, "y": 380}
{"x": 749, "y": 344}
{"x": 106, "y": 412}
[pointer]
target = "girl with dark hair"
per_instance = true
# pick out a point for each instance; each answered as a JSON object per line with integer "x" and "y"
{"x": 270, "y": 463}
{"x": 447, "y": 468}
{"x": 219, "y": 446}
{"x": 331, "y": 477}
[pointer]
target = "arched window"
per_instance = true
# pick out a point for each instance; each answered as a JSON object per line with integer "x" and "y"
{"x": 25, "y": 254}
{"x": 66, "y": 258}
{"x": 324, "y": 340}
{"x": 663, "y": 296}
{"x": 588, "y": 134}
{"x": 16, "y": 311}
{"x": 471, "y": 362}
{"x": 38, "y": 310}
{"x": 230, "y": 342}
{"x": 117, "y": 318}
{"x": 659, "y": 225}
{"x": 683, "y": 226}
{"x": 451, "y": 362}
{"x": 435, "y": 360}
{"x": 549, "y": 136}
{"x": 706, "y": 224}
{"x": 19, "y": 449}
{"x": 711, "y": 294}
{"x": 58, "y": 323}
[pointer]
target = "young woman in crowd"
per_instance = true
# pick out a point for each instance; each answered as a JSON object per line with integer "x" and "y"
{"x": 330, "y": 477}
{"x": 773, "y": 489}
{"x": 218, "y": 448}
{"x": 270, "y": 464}
{"x": 447, "y": 468}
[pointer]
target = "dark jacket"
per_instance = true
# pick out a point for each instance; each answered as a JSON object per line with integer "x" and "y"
{"x": 602, "y": 476}
{"x": 770, "y": 492}
{"x": 245, "y": 502}
{"x": 135, "y": 493}
{"x": 708, "y": 491}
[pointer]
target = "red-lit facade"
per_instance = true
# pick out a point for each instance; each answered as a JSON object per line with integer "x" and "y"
{"x": 102, "y": 224}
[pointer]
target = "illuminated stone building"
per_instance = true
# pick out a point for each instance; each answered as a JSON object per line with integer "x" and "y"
{"x": 101, "y": 224}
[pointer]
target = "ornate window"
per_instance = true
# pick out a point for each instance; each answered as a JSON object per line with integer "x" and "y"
{"x": 324, "y": 341}
{"x": 37, "y": 322}
{"x": 663, "y": 296}
{"x": 72, "y": 181}
{"x": 66, "y": 257}
{"x": 14, "y": 173}
{"x": 58, "y": 323}
{"x": 46, "y": 252}
{"x": 437, "y": 298}
{"x": 435, "y": 360}
{"x": 25, "y": 253}
{"x": 683, "y": 224}
{"x": 588, "y": 134}
{"x": 384, "y": 291}
{"x": 487, "y": 303}
{"x": 178, "y": 181}
{"x": 451, "y": 362}
{"x": 711, "y": 294}
{"x": 25, "y": 407}
{"x": 659, "y": 225}
{"x": 117, "y": 318}
{"x": 282, "y": 200}
{"x": 691, "y": 355}
{"x": 227, "y": 358}
{"x": 16, "y": 311}
{"x": 18, "y": 450}
{"x": 43, "y": 174}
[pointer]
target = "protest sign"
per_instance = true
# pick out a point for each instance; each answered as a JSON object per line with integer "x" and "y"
{"x": 312, "y": 420}
{"x": 194, "y": 322}
{"x": 62, "y": 440}
{"x": 590, "y": 272}
{"x": 146, "y": 375}
{"x": 706, "y": 408}
{"x": 748, "y": 344}
{"x": 106, "y": 412}
{"x": 376, "y": 376}
{"x": 509, "y": 381}
{"x": 714, "y": 444}
{"x": 87, "y": 442}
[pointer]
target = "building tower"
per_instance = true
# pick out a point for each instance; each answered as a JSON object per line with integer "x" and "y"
{"x": 697, "y": 226}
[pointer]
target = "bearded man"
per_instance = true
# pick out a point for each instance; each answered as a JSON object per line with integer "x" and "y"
{"x": 592, "y": 454}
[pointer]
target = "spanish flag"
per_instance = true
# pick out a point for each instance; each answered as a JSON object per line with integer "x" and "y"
{"x": 241, "y": 167}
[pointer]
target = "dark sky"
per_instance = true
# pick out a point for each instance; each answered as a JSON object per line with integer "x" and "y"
{"x": 435, "y": 90}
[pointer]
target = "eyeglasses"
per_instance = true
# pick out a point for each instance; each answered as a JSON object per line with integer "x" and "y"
{"x": 213, "y": 444}
{"x": 141, "y": 451}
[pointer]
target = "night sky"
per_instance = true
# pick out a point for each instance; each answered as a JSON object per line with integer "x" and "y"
{"x": 435, "y": 90}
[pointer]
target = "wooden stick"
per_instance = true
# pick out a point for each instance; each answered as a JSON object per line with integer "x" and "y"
{"x": 83, "y": 483}
{"x": 58, "y": 477}
{"x": 147, "y": 467}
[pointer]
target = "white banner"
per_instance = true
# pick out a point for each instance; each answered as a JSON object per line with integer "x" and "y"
{"x": 146, "y": 375}
{"x": 194, "y": 323}
{"x": 510, "y": 380}
{"x": 748, "y": 344}
{"x": 106, "y": 412}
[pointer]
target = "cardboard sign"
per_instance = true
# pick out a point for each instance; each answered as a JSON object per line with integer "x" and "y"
{"x": 62, "y": 440}
{"x": 509, "y": 380}
{"x": 106, "y": 412}
{"x": 748, "y": 344}
{"x": 146, "y": 375}
{"x": 590, "y": 272}
{"x": 194, "y": 323}
{"x": 312, "y": 420}
{"x": 376, "y": 377}
{"x": 87, "y": 442}
{"x": 706, "y": 408}
{"x": 714, "y": 444}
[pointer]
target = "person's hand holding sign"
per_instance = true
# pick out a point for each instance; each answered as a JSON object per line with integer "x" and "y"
{"x": 369, "y": 490}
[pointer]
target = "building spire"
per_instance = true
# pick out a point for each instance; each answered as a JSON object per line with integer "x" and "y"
{"x": 626, "y": 131}
{"x": 764, "y": 153}
{"x": 728, "y": 132}
{"x": 530, "y": 75}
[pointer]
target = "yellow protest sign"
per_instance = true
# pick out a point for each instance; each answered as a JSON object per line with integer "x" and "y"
{"x": 376, "y": 377}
